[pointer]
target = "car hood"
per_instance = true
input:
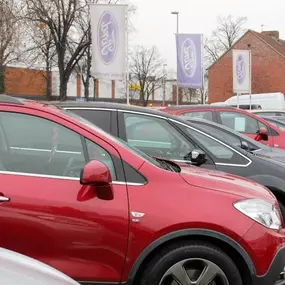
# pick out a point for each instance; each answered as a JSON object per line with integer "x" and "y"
{"x": 274, "y": 156}
{"x": 225, "y": 182}
{"x": 18, "y": 269}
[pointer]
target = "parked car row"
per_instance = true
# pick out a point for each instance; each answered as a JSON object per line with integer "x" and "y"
{"x": 113, "y": 194}
{"x": 237, "y": 119}
{"x": 183, "y": 140}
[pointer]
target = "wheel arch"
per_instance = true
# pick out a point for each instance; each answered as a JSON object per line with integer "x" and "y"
{"x": 275, "y": 184}
{"x": 231, "y": 247}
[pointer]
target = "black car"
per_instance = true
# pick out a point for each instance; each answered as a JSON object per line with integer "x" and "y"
{"x": 172, "y": 138}
{"x": 278, "y": 122}
{"x": 237, "y": 139}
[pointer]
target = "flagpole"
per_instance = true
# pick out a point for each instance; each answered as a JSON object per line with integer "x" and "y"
{"x": 127, "y": 59}
{"x": 203, "y": 69}
{"x": 250, "y": 79}
{"x": 177, "y": 32}
{"x": 177, "y": 86}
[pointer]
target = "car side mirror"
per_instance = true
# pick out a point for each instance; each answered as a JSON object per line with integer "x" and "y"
{"x": 97, "y": 174}
{"x": 197, "y": 157}
{"x": 244, "y": 145}
{"x": 263, "y": 134}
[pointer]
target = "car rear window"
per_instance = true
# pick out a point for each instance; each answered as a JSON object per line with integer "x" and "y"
{"x": 206, "y": 115}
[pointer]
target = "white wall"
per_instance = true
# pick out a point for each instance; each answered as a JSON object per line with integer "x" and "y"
{"x": 71, "y": 86}
{"x": 105, "y": 89}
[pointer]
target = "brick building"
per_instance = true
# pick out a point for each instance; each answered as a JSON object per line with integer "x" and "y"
{"x": 31, "y": 83}
{"x": 268, "y": 66}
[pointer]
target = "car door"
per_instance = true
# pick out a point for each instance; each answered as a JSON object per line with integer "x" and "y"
{"x": 156, "y": 136}
{"x": 45, "y": 213}
{"x": 244, "y": 124}
{"x": 225, "y": 157}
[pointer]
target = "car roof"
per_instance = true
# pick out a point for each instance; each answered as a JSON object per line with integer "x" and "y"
{"x": 40, "y": 105}
{"x": 267, "y": 111}
{"x": 109, "y": 105}
{"x": 273, "y": 119}
{"x": 200, "y": 106}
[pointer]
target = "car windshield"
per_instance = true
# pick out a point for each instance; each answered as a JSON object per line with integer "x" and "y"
{"x": 109, "y": 136}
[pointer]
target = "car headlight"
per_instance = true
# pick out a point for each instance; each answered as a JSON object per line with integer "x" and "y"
{"x": 261, "y": 211}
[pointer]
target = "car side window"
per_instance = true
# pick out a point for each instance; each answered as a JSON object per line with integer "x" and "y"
{"x": 156, "y": 136}
{"x": 100, "y": 118}
{"x": 40, "y": 146}
{"x": 224, "y": 135}
{"x": 206, "y": 115}
{"x": 95, "y": 152}
{"x": 240, "y": 122}
{"x": 219, "y": 152}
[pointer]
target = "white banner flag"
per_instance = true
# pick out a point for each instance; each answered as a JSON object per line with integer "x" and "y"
{"x": 108, "y": 27}
{"x": 241, "y": 71}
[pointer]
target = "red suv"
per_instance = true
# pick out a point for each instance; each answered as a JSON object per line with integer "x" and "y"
{"x": 237, "y": 119}
{"x": 88, "y": 204}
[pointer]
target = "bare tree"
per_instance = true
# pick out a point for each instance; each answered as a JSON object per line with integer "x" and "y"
{"x": 146, "y": 68}
{"x": 187, "y": 95}
{"x": 229, "y": 29}
{"x": 10, "y": 35}
{"x": 70, "y": 42}
{"x": 41, "y": 52}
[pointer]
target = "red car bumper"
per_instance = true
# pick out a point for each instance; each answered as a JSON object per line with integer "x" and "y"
{"x": 266, "y": 249}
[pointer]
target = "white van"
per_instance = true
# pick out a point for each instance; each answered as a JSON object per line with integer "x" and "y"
{"x": 265, "y": 100}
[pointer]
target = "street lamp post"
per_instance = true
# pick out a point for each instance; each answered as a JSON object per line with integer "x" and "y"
{"x": 177, "y": 31}
{"x": 164, "y": 83}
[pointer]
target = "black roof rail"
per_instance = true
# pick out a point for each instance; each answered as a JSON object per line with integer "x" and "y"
{"x": 10, "y": 100}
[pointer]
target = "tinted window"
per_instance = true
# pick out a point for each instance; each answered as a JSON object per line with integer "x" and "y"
{"x": 206, "y": 115}
{"x": 132, "y": 176}
{"x": 40, "y": 146}
{"x": 241, "y": 122}
{"x": 219, "y": 152}
{"x": 156, "y": 136}
{"x": 224, "y": 135}
{"x": 102, "y": 119}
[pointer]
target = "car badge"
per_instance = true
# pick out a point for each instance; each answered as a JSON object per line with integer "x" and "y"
{"x": 137, "y": 216}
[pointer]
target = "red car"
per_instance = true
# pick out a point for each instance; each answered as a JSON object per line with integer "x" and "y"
{"x": 86, "y": 203}
{"x": 237, "y": 119}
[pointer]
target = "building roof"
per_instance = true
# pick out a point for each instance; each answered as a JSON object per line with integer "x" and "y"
{"x": 276, "y": 44}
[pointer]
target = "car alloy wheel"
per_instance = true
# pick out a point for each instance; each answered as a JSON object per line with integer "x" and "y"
{"x": 194, "y": 271}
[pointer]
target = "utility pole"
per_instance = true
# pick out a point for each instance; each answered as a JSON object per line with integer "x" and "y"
{"x": 164, "y": 84}
{"x": 177, "y": 31}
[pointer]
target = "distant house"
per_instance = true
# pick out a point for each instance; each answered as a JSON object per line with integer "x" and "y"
{"x": 268, "y": 66}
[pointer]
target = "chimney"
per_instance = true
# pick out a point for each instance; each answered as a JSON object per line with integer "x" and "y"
{"x": 273, "y": 34}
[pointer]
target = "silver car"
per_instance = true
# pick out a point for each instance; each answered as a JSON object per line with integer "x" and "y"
{"x": 17, "y": 269}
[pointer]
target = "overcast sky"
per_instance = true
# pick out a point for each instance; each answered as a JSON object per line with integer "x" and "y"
{"x": 155, "y": 25}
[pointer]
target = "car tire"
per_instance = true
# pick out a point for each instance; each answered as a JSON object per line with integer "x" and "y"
{"x": 195, "y": 258}
{"x": 282, "y": 209}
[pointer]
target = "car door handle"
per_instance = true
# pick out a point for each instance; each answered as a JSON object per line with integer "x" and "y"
{"x": 4, "y": 199}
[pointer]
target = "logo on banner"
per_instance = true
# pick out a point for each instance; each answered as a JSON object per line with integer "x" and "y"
{"x": 189, "y": 58}
{"x": 240, "y": 69}
{"x": 107, "y": 37}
